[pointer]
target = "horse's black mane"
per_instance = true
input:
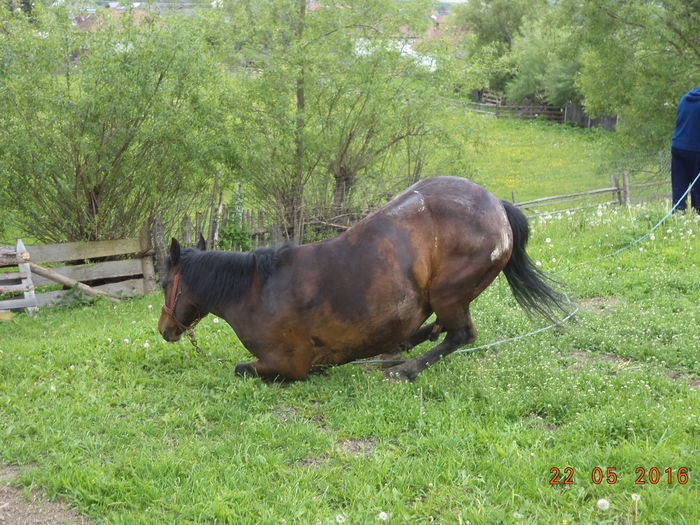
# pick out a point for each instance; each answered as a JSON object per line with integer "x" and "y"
{"x": 216, "y": 277}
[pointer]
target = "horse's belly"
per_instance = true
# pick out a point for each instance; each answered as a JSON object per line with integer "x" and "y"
{"x": 380, "y": 334}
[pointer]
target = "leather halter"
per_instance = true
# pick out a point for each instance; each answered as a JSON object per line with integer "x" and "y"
{"x": 169, "y": 310}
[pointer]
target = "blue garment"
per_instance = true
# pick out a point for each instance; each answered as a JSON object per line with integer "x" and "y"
{"x": 685, "y": 166}
{"x": 687, "y": 133}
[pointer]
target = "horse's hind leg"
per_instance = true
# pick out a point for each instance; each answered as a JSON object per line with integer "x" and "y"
{"x": 463, "y": 333}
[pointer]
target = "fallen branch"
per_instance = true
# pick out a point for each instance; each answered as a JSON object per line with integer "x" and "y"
{"x": 67, "y": 281}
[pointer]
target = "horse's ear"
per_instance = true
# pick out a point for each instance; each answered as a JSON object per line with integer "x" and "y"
{"x": 174, "y": 252}
{"x": 201, "y": 243}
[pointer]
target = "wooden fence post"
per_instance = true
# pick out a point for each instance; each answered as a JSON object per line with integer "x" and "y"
{"x": 618, "y": 191}
{"x": 215, "y": 223}
{"x": 160, "y": 246}
{"x": 186, "y": 226}
{"x": 27, "y": 281}
{"x": 199, "y": 228}
{"x": 149, "y": 275}
{"x": 626, "y": 188}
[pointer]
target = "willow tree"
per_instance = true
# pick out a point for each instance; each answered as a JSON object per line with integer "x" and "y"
{"x": 331, "y": 93}
{"x": 102, "y": 129}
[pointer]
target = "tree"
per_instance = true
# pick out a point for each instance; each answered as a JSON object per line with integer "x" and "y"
{"x": 638, "y": 58}
{"x": 332, "y": 93}
{"x": 493, "y": 25}
{"x": 101, "y": 130}
{"x": 546, "y": 60}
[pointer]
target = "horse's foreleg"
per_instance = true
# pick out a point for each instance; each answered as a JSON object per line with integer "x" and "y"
{"x": 430, "y": 331}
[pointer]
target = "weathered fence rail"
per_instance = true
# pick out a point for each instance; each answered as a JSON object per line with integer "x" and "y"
{"x": 620, "y": 191}
{"x": 128, "y": 270}
{"x": 554, "y": 113}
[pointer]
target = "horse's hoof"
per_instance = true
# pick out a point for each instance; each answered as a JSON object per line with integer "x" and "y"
{"x": 245, "y": 369}
{"x": 400, "y": 373}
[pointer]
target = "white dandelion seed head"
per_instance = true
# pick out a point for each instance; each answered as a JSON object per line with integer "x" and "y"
{"x": 146, "y": 344}
{"x": 538, "y": 263}
{"x": 52, "y": 388}
{"x": 216, "y": 319}
{"x": 548, "y": 240}
{"x": 150, "y": 307}
{"x": 382, "y": 516}
{"x": 126, "y": 341}
{"x": 636, "y": 497}
{"x": 603, "y": 504}
{"x": 340, "y": 518}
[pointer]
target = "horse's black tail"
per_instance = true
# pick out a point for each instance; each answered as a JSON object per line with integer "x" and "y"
{"x": 530, "y": 285}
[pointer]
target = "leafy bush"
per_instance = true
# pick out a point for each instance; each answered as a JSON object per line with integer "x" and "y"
{"x": 101, "y": 130}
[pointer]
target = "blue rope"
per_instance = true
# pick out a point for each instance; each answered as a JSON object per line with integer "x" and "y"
{"x": 573, "y": 312}
{"x": 636, "y": 241}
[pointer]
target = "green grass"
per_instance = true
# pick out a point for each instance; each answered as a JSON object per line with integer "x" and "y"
{"x": 101, "y": 412}
{"x": 536, "y": 158}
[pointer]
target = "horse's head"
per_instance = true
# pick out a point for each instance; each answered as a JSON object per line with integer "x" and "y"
{"x": 180, "y": 313}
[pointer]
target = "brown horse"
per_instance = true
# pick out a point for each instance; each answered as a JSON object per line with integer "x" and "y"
{"x": 432, "y": 249}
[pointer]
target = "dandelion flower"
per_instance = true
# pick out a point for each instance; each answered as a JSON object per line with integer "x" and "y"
{"x": 636, "y": 497}
{"x": 382, "y": 516}
{"x": 340, "y": 518}
{"x": 216, "y": 319}
{"x": 146, "y": 345}
{"x": 538, "y": 263}
{"x": 548, "y": 240}
{"x": 150, "y": 307}
{"x": 126, "y": 341}
{"x": 109, "y": 340}
{"x": 52, "y": 388}
{"x": 603, "y": 504}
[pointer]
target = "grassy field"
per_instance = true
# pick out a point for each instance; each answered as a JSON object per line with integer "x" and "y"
{"x": 97, "y": 410}
{"x": 536, "y": 158}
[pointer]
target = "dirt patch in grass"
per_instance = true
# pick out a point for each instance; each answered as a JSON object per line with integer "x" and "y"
{"x": 356, "y": 447}
{"x": 599, "y": 304}
{"x": 348, "y": 447}
{"x": 285, "y": 413}
{"x": 673, "y": 375}
{"x": 582, "y": 359}
{"x": 537, "y": 421}
{"x": 16, "y": 509}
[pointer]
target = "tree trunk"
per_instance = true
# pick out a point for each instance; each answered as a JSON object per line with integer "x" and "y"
{"x": 296, "y": 209}
{"x": 344, "y": 180}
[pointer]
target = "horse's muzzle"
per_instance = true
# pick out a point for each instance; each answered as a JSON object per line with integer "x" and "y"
{"x": 171, "y": 335}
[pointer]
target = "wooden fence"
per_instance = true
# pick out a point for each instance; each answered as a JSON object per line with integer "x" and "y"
{"x": 620, "y": 192}
{"x": 116, "y": 268}
{"x": 554, "y": 113}
{"x": 256, "y": 223}
{"x": 493, "y": 103}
